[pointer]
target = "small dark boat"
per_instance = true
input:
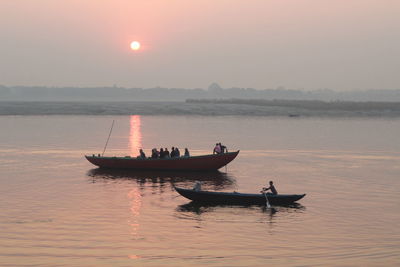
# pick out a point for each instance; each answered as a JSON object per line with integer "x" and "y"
{"x": 194, "y": 163}
{"x": 294, "y": 115}
{"x": 234, "y": 198}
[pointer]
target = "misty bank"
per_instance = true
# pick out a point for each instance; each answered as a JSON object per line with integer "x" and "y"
{"x": 232, "y": 107}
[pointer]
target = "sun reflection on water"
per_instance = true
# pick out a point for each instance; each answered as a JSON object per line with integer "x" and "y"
{"x": 135, "y": 135}
{"x": 135, "y": 205}
{"x": 136, "y": 202}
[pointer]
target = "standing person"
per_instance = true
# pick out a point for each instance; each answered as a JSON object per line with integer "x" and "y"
{"x": 177, "y": 152}
{"x": 217, "y": 149}
{"x": 271, "y": 187}
{"x": 187, "y": 154}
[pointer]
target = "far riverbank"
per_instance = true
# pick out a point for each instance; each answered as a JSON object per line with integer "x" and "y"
{"x": 232, "y": 107}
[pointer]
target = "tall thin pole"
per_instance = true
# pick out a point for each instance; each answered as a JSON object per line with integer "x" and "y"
{"x": 112, "y": 125}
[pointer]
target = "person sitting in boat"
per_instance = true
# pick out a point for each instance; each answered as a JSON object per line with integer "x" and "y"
{"x": 173, "y": 152}
{"x": 223, "y": 148}
{"x": 187, "y": 154}
{"x": 197, "y": 186}
{"x": 142, "y": 155}
{"x": 166, "y": 153}
{"x": 217, "y": 149}
{"x": 162, "y": 153}
{"x": 154, "y": 153}
{"x": 177, "y": 152}
{"x": 271, "y": 187}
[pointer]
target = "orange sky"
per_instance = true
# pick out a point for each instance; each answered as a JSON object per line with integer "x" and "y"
{"x": 307, "y": 44}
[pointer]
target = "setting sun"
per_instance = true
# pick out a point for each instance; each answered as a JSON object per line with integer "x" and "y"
{"x": 135, "y": 45}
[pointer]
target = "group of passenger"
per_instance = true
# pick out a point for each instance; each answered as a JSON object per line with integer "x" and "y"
{"x": 175, "y": 153}
{"x": 164, "y": 153}
{"x": 220, "y": 148}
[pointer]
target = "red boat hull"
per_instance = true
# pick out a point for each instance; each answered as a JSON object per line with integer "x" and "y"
{"x": 195, "y": 163}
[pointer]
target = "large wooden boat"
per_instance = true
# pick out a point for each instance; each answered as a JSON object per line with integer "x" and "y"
{"x": 235, "y": 198}
{"x": 195, "y": 163}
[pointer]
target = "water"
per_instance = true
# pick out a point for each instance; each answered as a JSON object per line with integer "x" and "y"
{"x": 58, "y": 210}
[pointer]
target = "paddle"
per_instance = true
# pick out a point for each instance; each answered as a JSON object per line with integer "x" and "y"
{"x": 266, "y": 198}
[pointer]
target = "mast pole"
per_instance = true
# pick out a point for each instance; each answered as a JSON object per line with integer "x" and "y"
{"x": 112, "y": 125}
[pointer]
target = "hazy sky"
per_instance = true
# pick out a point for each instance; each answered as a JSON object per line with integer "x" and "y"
{"x": 310, "y": 44}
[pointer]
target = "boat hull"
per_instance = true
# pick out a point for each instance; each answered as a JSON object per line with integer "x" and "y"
{"x": 195, "y": 163}
{"x": 236, "y": 198}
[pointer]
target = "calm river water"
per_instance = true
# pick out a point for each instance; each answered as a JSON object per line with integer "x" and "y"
{"x": 59, "y": 210}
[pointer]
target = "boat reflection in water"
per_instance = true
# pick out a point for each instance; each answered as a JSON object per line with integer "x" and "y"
{"x": 272, "y": 213}
{"x": 214, "y": 180}
{"x": 205, "y": 207}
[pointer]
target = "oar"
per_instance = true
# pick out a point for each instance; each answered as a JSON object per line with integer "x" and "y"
{"x": 266, "y": 198}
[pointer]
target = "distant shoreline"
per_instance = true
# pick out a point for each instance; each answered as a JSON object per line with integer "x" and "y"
{"x": 214, "y": 91}
{"x": 227, "y": 107}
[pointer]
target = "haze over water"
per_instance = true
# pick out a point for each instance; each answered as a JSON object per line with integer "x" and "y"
{"x": 58, "y": 209}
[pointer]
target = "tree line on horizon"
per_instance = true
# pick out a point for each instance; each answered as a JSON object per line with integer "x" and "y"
{"x": 41, "y": 93}
{"x": 307, "y": 104}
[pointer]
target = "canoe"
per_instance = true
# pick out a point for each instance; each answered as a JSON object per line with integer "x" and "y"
{"x": 235, "y": 198}
{"x": 195, "y": 163}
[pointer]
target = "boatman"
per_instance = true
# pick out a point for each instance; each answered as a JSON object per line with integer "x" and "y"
{"x": 271, "y": 187}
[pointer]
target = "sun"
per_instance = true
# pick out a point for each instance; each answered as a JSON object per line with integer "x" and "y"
{"x": 135, "y": 45}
